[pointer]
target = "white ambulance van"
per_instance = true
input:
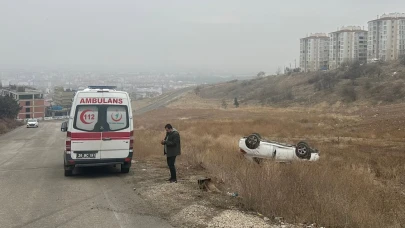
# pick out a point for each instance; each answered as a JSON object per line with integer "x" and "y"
{"x": 100, "y": 129}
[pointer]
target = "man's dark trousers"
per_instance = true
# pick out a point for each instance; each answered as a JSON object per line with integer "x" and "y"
{"x": 170, "y": 163}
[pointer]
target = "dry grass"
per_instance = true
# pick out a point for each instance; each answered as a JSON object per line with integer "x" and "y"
{"x": 7, "y": 125}
{"x": 359, "y": 181}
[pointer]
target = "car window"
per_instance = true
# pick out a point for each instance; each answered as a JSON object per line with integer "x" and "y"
{"x": 86, "y": 117}
{"x": 99, "y": 118}
{"x": 117, "y": 117}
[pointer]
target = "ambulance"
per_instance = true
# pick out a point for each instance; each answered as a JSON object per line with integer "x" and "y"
{"x": 99, "y": 131}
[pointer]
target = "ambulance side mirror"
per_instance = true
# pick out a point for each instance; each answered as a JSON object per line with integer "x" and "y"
{"x": 63, "y": 126}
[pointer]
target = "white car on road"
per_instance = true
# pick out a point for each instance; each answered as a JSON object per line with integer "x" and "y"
{"x": 32, "y": 123}
{"x": 255, "y": 148}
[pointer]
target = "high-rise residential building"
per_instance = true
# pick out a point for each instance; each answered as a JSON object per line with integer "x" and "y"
{"x": 349, "y": 44}
{"x": 386, "y": 37}
{"x": 314, "y": 52}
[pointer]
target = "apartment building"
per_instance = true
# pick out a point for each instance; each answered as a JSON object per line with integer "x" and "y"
{"x": 386, "y": 37}
{"x": 314, "y": 52}
{"x": 31, "y": 101}
{"x": 348, "y": 44}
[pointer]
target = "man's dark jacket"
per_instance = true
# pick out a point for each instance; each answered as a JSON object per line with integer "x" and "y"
{"x": 172, "y": 144}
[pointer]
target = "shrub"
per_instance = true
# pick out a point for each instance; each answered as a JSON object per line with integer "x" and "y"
{"x": 367, "y": 85}
{"x": 9, "y": 107}
{"x": 348, "y": 93}
{"x": 3, "y": 128}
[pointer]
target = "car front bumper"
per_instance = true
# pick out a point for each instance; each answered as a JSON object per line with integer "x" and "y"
{"x": 314, "y": 157}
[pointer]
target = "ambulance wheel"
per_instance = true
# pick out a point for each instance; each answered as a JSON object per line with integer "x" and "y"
{"x": 124, "y": 170}
{"x": 68, "y": 173}
{"x": 68, "y": 170}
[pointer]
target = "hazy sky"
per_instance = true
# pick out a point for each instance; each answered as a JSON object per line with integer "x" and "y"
{"x": 171, "y": 34}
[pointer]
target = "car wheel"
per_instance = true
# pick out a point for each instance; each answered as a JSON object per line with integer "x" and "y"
{"x": 303, "y": 150}
{"x": 68, "y": 172}
{"x": 124, "y": 170}
{"x": 253, "y": 141}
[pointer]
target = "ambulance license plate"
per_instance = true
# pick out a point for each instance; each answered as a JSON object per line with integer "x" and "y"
{"x": 85, "y": 155}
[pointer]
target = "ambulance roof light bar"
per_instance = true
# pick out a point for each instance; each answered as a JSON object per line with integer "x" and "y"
{"x": 102, "y": 87}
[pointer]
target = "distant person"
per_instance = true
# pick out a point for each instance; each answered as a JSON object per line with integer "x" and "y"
{"x": 172, "y": 149}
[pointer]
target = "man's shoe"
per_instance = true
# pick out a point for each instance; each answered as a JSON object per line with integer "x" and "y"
{"x": 173, "y": 181}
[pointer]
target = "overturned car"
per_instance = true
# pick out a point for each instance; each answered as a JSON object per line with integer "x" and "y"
{"x": 254, "y": 147}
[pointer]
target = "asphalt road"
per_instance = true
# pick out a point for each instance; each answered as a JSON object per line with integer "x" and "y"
{"x": 35, "y": 193}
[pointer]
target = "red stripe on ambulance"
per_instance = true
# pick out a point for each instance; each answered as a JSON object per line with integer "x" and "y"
{"x": 84, "y": 136}
{"x": 78, "y": 136}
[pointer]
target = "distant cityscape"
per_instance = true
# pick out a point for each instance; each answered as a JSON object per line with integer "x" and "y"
{"x": 384, "y": 41}
{"x": 50, "y": 93}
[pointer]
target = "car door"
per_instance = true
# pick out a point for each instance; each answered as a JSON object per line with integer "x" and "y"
{"x": 284, "y": 153}
{"x": 86, "y": 132}
{"x": 115, "y": 139}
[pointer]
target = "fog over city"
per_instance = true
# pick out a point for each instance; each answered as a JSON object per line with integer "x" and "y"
{"x": 227, "y": 35}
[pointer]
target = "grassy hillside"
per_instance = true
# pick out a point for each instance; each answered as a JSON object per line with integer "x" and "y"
{"x": 374, "y": 83}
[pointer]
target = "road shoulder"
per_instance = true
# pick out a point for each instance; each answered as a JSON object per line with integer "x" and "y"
{"x": 184, "y": 204}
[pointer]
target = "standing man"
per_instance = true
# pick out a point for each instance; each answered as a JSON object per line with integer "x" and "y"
{"x": 172, "y": 149}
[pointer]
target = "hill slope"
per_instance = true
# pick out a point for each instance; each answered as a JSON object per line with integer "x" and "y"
{"x": 372, "y": 83}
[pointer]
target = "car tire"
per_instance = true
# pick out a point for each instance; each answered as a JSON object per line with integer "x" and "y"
{"x": 253, "y": 141}
{"x": 303, "y": 150}
{"x": 68, "y": 172}
{"x": 124, "y": 170}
